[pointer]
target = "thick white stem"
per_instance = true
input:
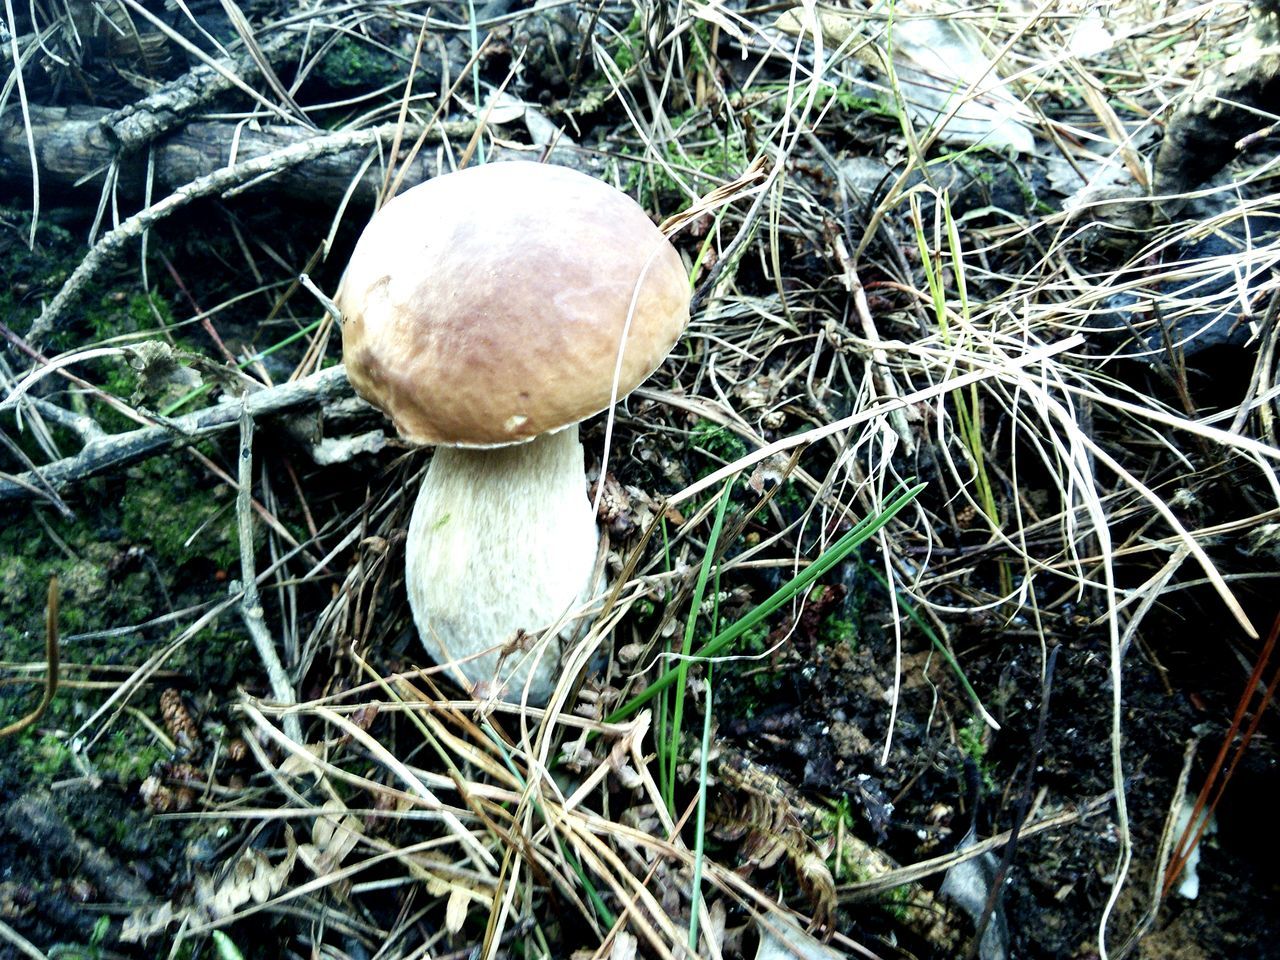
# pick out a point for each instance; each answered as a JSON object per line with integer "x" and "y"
{"x": 501, "y": 540}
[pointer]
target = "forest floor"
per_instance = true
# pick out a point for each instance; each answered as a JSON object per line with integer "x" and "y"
{"x": 961, "y": 486}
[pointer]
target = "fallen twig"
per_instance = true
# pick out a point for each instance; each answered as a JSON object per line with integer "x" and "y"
{"x": 20, "y": 943}
{"x": 219, "y": 180}
{"x": 137, "y": 124}
{"x": 75, "y": 156}
{"x": 913, "y": 873}
{"x": 119, "y": 450}
{"x": 251, "y": 603}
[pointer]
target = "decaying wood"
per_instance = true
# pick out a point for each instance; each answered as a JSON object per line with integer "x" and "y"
{"x": 74, "y": 152}
{"x": 1230, "y": 101}
{"x": 777, "y": 821}
{"x": 38, "y": 823}
{"x": 326, "y": 389}
{"x": 76, "y": 145}
{"x": 139, "y": 123}
{"x": 242, "y": 172}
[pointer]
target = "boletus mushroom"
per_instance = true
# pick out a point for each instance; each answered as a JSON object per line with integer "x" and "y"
{"x": 487, "y": 312}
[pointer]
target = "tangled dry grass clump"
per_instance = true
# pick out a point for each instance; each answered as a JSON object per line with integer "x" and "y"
{"x": 941, "y": 410}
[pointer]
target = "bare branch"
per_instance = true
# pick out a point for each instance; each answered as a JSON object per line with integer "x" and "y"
{"x": 110, "y": 245}
{"x": 119, "y": 450}
{"x": 251, "y": 603}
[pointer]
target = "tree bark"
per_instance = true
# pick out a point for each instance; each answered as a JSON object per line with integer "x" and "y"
{"x": 73, "y": 146}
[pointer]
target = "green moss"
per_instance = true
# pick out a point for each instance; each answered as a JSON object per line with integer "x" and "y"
{"x": 47, "y": 756}
{"x": 352, "y": 63}
{"x": 790, "y": 500}
{"x": 717, "y": 441}
{"x": 761, "y": 685}
{"x": 755, "y": 639}
{"x": 16, "y": 576}
{"x": 897, "y": 902}
{"x": 767, "y": 99}
{"x": 118, "y": 312}
{"x": 846, "y": 101}
{"x": 128, "y": 760}
{"x": 704, "y": 163}
{"x": 107, "y": 307}
{"x": 32, "y": 274}
{"x": 841, "y": 626}
{"x": 627, "y": 49}
{"x": 973, "y": 742}
{"x": 169, "y": 513}
{"x": 839, "y": 630}
{"x": 123, "y": 758}
{"x": 1032, "y": 201}
{"x": 144, "y": 309}
{"x": 838, "y": 812}
{"x": 185, "y": 528}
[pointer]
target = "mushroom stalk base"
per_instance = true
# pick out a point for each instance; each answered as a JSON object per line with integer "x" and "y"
{"x": 501, "y": 540}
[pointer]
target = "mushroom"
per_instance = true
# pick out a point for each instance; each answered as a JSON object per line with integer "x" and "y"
{"x": 487, "y": 312}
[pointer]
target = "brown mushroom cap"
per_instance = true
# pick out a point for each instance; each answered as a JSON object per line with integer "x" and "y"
{"x": 486, "y": 307}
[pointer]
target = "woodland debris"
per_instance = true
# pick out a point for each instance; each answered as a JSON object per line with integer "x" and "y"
{"x": 1208, "y": 289}
{"x": 1205, "y": 825}
{"x": 254, "y": 878}
{"x": 334, "y": 450}
{"x": 771, "y": 819}
{"x": 251, "y": 604}
{"x": 36, "y": 820}
{"x": 225, "y": 178}
{"x": 1227, "y": 105}
{"x": 74, "y": 153}
{"x": 113, "y": 452}
{"x": 137, "y": 124}
{"x": 973, "y": 886}
{"x": 935, "y": 68}
{"x": 179, "y": 723}
{"x": 781, "y": 939}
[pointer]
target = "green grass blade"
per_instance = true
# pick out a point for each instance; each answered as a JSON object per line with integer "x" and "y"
{"x": 699, "y": 840}
{"x": 830, "y": 558}
{"x": 682, "y": 669}
{"x": 602, "y": 911}
{"x": 225, "y": 946}
{"x": 938, "y": 645}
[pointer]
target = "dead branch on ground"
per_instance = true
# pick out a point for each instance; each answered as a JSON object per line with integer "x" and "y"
{"x": 327, "y": 390}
